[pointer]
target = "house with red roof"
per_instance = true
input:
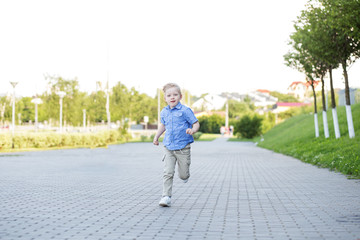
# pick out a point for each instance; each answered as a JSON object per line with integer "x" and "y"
{"x": 302, "y": 90}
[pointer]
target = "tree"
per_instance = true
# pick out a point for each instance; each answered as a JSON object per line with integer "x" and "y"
{"x": 302, "y": 61}
{"x": 283, "y": 97}
{"x": 238, "y": 109}
{"x": 5, "y": 114}
{"x": 248, "y": 126}
{"x": 343, "y": 19}
{"x": 211, "y": 124}
{"x": 309, "y": 37}
{"x": 73, "y": 102}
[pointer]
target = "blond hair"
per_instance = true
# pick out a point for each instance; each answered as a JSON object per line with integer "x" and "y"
{"x": 171, "y": 85}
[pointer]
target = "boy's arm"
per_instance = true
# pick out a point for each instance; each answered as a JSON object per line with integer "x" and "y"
{"x": 194, "y": 129}
{"x": 160, "y": 131}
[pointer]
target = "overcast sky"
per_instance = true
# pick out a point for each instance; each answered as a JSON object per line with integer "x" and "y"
{"x": 205, "y": 46}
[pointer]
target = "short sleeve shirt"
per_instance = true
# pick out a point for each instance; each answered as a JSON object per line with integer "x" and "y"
{"x": 176, "y": 121}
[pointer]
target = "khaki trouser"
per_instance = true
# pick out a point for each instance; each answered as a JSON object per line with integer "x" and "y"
{"x": 183, "y": 158}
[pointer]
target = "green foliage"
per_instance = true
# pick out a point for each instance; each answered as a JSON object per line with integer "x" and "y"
{"x": 211, "y": 124}
{"x": 143, "y": 138}
{"x": 294, "y": 112}
{"x": 52, "y": 140}
{"x": 283, "y": 97}
{"x": 125, "y": 104}
{"x": 238, "y": 109}
{"x": 296, "y": 137}
{"x": 248, "y": 126}
{"x": 268, "y": 122}
{"x": 197, "y": 135}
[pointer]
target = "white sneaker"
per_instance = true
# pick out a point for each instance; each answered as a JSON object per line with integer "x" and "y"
{"x": 165, "y": 201}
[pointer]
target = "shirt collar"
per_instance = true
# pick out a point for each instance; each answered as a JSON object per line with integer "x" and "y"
{"x": 178, "y": 106}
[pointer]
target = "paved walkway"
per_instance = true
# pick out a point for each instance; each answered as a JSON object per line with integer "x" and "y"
{"x": 236, "y": 191}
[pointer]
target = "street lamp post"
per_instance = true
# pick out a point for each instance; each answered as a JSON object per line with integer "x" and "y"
{"x": 84, "y": 119}
{"x": 13, "y": 113}
{"x": 227, "y": 116}
{"x": 108, "y": 107}
{"x": 158, "y": 107}
{"x": 61, "y": 94}
{"x": 36, "y": 101}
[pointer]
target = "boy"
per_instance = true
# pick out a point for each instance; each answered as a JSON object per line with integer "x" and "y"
{"x": 180, "y": 124}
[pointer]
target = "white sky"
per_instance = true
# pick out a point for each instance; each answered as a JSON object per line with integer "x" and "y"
{"x": 203, "y": 45}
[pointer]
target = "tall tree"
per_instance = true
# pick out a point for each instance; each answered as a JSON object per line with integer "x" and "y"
{"x": 73, "y": 102}
{"x": 301, "y": 60}
{"x": 343, "y": 19}
{"x": 310, "y": 38}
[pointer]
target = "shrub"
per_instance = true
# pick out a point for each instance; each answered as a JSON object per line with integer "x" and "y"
{"x": 211, "y": 124}
{"x": 248, "y": 126}
{"x": 49, "y": 140}
{"x": 197, "y": 135}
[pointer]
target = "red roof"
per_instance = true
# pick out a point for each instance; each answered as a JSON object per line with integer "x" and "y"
{"x": 296, "y": 83}
{"x": 263, "y": 90}
{"x": 307, "y": 84}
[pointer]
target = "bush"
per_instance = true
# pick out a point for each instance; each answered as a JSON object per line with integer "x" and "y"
{"x": 248, "y": 126}
{"x": 211, "y": 124}
{"x": 197, "y": 135}
{"x": 50, "y": 140}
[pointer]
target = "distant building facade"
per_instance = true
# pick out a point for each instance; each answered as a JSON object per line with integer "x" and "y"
{"x": 302, "y": 90}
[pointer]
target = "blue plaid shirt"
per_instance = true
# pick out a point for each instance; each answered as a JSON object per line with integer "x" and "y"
{"x": 176, "y": 121}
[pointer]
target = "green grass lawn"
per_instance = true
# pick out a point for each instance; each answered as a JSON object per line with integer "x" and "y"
{"x": 208, "y": 137}
{"x": 296, "y": 137}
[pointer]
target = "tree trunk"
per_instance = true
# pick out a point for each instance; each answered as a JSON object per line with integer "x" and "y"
{"x": 315, "y": 111}
{"x": 333, "y": 106}
{"x": 316, "y": 125}
{"x": 348, "y": 104}
{"x": 326, "y": 127}
{"x": 332, "y": 92}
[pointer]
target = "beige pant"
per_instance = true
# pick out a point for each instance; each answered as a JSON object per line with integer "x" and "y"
{"x": 183, "y": 158}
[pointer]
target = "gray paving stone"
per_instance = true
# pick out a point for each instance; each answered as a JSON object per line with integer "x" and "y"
{"x": 236, "y": 191}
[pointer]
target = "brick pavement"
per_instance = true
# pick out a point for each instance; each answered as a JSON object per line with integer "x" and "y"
{"x": 236, "y": 191}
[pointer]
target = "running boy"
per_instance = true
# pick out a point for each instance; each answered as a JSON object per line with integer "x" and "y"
{"x": 180, "y": 124}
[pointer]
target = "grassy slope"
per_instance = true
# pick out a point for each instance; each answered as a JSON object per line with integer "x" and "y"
{"x": 296, "y": 137}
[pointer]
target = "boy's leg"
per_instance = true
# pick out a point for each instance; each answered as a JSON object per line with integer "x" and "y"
{"x": 169, "y": 170}
{"x": 184, "y": 160}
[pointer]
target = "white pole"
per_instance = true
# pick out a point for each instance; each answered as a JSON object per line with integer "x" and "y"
{"x": 326, "y": 127}
{"x": 61, "y": 95}
{"x": 336, "y": 123}
{"x": 108, "y": 108}
{"x": 13, "y": 113}
{"x": 350, "y": 121}
{"x": 84, "y": 119}
{"x": 36, "y": 101}
{"x": 227, "y": 116}
{"x": 61, "y": 101}
{"x": 316, "y": 125}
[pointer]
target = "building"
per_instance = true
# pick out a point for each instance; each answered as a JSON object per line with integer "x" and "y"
{"x": 211, "y": 102}
{"x": 302, "y": 90}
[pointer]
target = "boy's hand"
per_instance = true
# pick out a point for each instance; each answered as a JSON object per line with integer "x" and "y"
{"x": 156, "y": 142}
{"x": 189, "y": 131}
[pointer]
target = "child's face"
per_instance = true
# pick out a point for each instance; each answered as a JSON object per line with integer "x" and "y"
{"x": 172, "y": 96}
